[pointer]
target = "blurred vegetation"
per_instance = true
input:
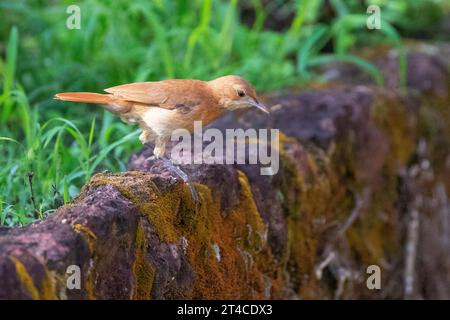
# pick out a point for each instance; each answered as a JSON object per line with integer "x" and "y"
{"x": 272, "y": 43}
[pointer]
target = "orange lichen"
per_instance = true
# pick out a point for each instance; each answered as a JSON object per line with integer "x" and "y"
{"x": 91, "y": 239}
{"x": 161, "y": 209}
{"x": 142, "y": 269}
{"x": 90, "y": 236}
{"x": 89, "y": 286}
{"x": 240, "y": 236}
{"x": 400, "y": 125}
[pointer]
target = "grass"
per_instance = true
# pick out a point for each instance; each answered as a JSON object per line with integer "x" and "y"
{"x": 120, "y": 41}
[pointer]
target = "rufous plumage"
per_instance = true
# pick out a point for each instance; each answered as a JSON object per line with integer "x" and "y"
{"x": 161, "y": 107}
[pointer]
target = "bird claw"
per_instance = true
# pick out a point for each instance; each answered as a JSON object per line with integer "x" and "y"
{"x": 151, "y": 158}
{"x": 194, "y": 193}
{"x": 182, "y": 175}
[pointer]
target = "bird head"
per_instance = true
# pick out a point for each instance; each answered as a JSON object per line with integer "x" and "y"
{"x": 236, "y": 93}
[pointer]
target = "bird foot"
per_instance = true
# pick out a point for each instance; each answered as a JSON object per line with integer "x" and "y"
{"x": 181, "y": 174}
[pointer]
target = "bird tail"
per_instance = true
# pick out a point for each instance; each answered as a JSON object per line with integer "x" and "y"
{"x": 107, "y": 101}
{"x": 86, "y": 97}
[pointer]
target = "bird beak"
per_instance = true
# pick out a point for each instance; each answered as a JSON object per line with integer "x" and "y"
{"x": 261, "y": 107}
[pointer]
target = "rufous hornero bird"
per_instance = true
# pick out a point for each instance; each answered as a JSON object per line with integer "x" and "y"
{"x": 161, "y": 107}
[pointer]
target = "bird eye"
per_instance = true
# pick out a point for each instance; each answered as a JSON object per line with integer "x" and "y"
{"x": 241, "y": 93}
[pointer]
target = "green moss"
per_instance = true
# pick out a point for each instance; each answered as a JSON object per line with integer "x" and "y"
{"x": 290, "y": 185}
{"x": 372, "y": 237}
{"x": 161, "y": 209}
{"x": 320, "y": 203}
{"x": 400, "y": 126}
{"x": 240, "y": 237}
{"x": 142, "y": 269}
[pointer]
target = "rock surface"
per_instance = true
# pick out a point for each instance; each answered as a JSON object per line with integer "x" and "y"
{"x": 364, "y": 180}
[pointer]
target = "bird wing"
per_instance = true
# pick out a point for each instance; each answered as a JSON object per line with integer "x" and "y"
{"x": 167, "y": 94}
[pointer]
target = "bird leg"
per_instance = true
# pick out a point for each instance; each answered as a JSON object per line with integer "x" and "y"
{"x": 160, "y": 147}
{"x": 183, "y": 175}
{"x": 146, "y": 136}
